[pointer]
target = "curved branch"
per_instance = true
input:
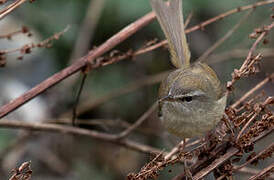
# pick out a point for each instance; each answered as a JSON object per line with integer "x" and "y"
{"x": 63, "y": 129}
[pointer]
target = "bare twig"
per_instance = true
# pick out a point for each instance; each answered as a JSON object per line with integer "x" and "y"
{"x": 249, "y": 62}
{"x": 78, "y": 131}
{"x": 255, "y": 157}
{"x": 246, "y": 126}
{"x": 174, "y": 150}
{"x": 232, "y": 151}
{"x": 78, "y": 65}
{"x": 224, "y": 38}
{"x": 252, "y": 171}
{"x": 10, "y": 8}
{"x": 26, "y": 49}
{"x": 87, "y": 106}
{"x": 237, "y": 53}
{"x": 87, "y": 28}
{"x": 74, "y": 112}
{"x": 24, "y": 172}
{"x": 251, "y": 91}
{"x": 270, "y": 169}
{"x": 205, "y": 23}
{"x": 138, "y": 122}
{"x": 23, "y": 30}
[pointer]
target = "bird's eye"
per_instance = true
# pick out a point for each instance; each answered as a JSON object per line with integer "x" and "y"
{"x": 186, "y": 99}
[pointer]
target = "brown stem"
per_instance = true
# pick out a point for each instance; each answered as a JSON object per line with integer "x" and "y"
{"x": 78, "y": 131}
{"x": 78, "y": 65}
{"x": 10, "y": 8}
{"x": 264, "y": 171}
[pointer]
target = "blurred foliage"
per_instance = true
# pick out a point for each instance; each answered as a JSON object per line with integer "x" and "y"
{"x": 48, "y": 17}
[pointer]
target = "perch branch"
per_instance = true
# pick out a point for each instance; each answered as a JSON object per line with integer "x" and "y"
{"x": 63, "y": 129}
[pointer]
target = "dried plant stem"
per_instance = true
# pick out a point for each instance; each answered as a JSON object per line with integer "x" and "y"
{"x": 87, "y": 106}
{"x": 169, "y": 155}
{"x": 78, "y": 65}
{"x": 237, "y": 53}
{"x": 87, "y": 29}
{"x": 254, "y": 89}
{"x": 264, "y": 171}
{"x": 224, "y": 38}
{"x": 255, "y": 157}
{"x": 229, "y": 153}
{"x": 10, "y": 8}
{"x": 9, "y": 35}
{"x": 249, "y": 62}
{"x": 138, "y": 122}
{"x": 205, "y": 23}
{"x": 43, "y": 43}
{"x": 248, "y": 170}
{"x": 74, "y": 112}
{"x": 246, "y": 126}
{"x": 78, "y": 131}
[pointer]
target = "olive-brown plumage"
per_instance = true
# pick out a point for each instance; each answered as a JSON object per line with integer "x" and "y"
{"x": 191, "y": 98}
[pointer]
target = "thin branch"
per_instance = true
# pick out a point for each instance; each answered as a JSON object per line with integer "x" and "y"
{"x": 249, "y": 62}
{"x": 91, "y": 103}
{"x": 255, "y": 157}
{"x": 105, "y": 123}
{"x": 87, "y": 29}
{"x": 24, "y": 172}
{"x": 254, "y": 89}
{"x": 237, "y": 53}
{"x": 252, "y": 171}
{"x": 26, "y": 49}
{"x": 23, "y": 30}
{"x": 74, "y": 111}
{"x": 246, "y": 126}
{"x": 205, "y": 23}
{"x": 270, "y": 168}
{"x": 10, "y": 8}
{"x": 174, "y": 150}
{"x": 78, "y": 65}
{"x": 78, "y": 131}
{"x": 231, "y": 151}
{"x": 138, "y": 122}
{"x": 224, "y": 38}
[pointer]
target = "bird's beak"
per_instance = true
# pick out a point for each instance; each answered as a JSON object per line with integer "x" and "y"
{"x": 165, "y": 98}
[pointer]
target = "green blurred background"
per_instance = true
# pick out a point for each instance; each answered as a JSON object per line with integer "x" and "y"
{"x": 56, "y": 156}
